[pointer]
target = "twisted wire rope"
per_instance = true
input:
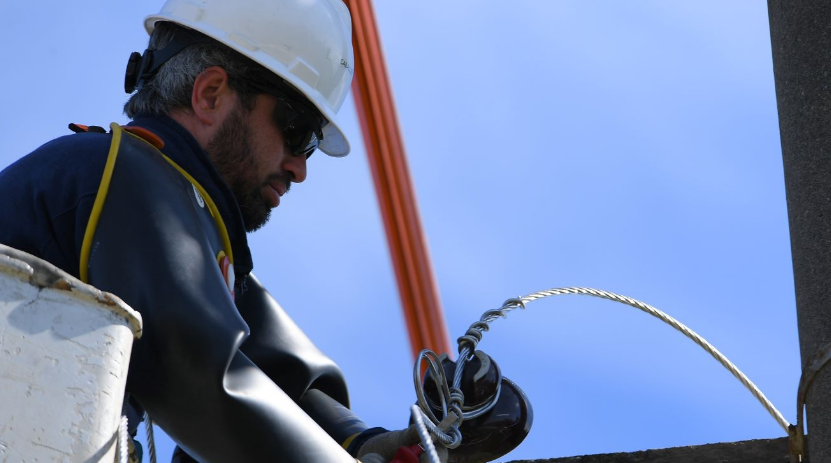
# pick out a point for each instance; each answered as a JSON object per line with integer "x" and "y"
{"x": 446, "y": 428}
{"x": 686, "y": 331}
{"x": 123, "y": 449}
{"x": 151, "y": 441}
{"x": 427, "y": 442}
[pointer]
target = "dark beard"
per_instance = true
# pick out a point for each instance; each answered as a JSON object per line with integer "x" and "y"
{"x": 231, "y": 155}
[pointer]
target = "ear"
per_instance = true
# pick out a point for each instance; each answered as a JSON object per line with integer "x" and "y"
{"x": 212, "y": 98}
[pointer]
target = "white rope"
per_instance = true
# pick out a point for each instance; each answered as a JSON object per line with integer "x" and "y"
{"x": 123, "y": 447}
{"x": 446, "y": 427}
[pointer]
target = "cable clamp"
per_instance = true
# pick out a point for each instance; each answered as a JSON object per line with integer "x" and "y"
{"x": 796, "y": 434}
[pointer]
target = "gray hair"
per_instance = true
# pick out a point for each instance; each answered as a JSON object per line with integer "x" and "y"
{"x": 172, "y": 86}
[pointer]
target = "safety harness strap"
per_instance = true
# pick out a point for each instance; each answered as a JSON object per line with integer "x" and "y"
{"x": 156, "y": 143}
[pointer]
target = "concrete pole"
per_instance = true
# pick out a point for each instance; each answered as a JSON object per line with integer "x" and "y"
{"x": 800, "y": 33}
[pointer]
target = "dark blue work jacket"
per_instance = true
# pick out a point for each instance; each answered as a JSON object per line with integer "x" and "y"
{"x": 47, "y": 196}
{"x": 225, "y": 377}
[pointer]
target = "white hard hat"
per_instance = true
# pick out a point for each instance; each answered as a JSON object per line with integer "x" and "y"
{"x": 306, "y": 42}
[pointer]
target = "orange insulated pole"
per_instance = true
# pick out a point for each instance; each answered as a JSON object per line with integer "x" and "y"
{"x": 385, "y": 147}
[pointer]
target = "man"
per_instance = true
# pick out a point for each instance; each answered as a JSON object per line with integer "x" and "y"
{"x": 230, "y": 100}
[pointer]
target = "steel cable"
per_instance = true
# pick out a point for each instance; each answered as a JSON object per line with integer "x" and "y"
{"x": 446, "y": 427}
{"x": 151, "y": 441}
{"x": 686, "y": 331}
{"x": 427, "y": 442}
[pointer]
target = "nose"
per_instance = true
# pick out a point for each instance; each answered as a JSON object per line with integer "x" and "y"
{"x": 296, "y": 167}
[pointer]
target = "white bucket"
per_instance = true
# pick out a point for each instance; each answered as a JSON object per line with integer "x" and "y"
{"x": 64, "y": 352}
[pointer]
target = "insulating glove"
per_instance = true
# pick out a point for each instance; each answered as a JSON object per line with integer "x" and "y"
{"x": 375, "y": 458}
{"x": 382, "y": 448}
{"x": 372, "y": 458}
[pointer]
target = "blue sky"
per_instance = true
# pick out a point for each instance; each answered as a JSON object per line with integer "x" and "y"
{"x": 625, "y": 146}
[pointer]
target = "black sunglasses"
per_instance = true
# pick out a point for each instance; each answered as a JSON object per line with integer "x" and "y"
{"x": 300, "y": 122}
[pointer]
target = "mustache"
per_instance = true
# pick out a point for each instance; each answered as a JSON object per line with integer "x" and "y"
{"x": 282, "y": 178}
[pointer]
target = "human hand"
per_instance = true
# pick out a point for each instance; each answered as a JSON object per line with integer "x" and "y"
{"x": 371, "y": 458}
{"x": 383, "y": 448}
{"x": 410, "y": 458}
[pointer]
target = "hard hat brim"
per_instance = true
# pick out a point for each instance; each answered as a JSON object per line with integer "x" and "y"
{"x": 334, "y": 142}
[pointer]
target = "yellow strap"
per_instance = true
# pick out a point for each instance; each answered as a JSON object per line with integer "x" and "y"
{"x": 349, "y": 440}
{"x": 100, "y": 197}
{"x": 223, "y": 232}
{"x": 104, "y": 187}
